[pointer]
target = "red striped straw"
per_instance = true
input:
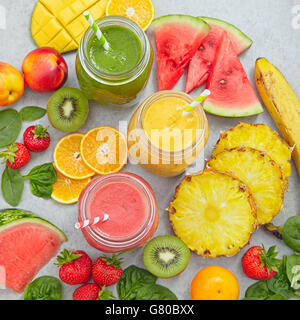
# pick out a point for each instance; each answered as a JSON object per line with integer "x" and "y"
{"x": 91, "y": 222}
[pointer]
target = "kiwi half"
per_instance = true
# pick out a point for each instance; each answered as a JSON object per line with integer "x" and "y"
{"x": 166, "y": 256}
{"x": 68, "y": 109}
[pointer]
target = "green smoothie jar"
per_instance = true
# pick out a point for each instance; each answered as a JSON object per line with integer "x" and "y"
{"x": 114, "y": 78}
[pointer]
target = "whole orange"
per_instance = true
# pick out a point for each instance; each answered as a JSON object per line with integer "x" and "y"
{"x": 215, "y": 283}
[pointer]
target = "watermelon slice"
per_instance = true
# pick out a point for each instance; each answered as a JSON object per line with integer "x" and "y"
{"x": 177, "y": 38}
{"x": 27, "y": 243}
{"x": 231, "y": 92}
{"x": 202, "y": 61}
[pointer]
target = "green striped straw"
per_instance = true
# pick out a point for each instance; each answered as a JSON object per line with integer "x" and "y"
{"x": 97, "y": 31}
{"x": 187, "y": 110}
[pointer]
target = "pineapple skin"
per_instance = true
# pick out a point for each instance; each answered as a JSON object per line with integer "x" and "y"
{"x": 242, "y": 188}
{"x": 281, "y": 102}
{"x": 281, "y": 155}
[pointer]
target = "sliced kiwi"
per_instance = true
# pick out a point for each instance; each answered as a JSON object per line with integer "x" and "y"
{"x": 68, "y": 109}
{"x": 166, "y": 256}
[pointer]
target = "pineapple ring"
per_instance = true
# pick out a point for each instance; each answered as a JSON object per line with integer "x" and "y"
{"x": 260, "y": 173}
{"x": 260, "y": 137}
{"x": 213, "y": 213}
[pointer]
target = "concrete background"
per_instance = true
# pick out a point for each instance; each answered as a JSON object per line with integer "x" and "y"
{"x": 276, "y": 34}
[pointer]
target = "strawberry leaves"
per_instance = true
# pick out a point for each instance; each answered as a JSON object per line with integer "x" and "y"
{"x": 106, "y": 295}
{"x": 66, "y": 256}
{"x": 40, "y": 132}
{"x": 268, "y": 259}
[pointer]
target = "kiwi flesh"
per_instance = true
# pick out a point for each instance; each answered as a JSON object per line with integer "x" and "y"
{"x": 166, "y": 256}
{"x": 68, "y": 109}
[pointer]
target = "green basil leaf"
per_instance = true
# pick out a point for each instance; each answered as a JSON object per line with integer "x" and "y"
{"x": 154, "y": 292}
{"x": 291, "y": 233}
{"x": 41, "y": 190}
{"x": 10, "y": 126}
{"x": 258, "y": 291}
{"x": 44, "y": 174}
{"x": 32, "y": 113}
{"x": 12, "y": 185}
{"x": 44, "y": 288}
{"x": 132, "y": 280}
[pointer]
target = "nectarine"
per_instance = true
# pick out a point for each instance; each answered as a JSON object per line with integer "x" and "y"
{"x": 44, "y": 70}
{"x": 11, "y": 84}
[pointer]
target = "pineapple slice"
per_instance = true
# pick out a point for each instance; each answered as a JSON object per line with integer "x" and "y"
{"x": 260, "y": 137}
{"x": 213, "y": 213}
{"x": 260, "y": 173}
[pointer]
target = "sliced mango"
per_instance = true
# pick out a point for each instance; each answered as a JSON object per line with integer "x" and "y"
{"x": 60, "y": 24}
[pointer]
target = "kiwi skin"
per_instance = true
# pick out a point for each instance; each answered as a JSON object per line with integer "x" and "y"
{"x": 171, "y": 241}
{"x": 60, "y": 103}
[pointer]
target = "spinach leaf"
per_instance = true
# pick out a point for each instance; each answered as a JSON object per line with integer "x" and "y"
{"x": 12, "y": 185}
{"x": 44, "y": 288}
{"x": 292, "y": 261}
{"x": 32, "y": 113}
{"x": 10, "y": 126}
{"x": 258, "y": 291}
{"x": 154, "y": 292}
{"x": 280, "y": 284}
{"x": 44, "y": 174}
{"x": 291, "y": 233}
{"x": 133, "y": 279}
{"x": 41, "y": 190}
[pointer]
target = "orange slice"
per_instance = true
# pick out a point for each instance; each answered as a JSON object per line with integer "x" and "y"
{"x": 66, "y": 190}
{"x": 104, "y": 150}
{"x": 67, "y": 158}
{"x": 140, "y": 11}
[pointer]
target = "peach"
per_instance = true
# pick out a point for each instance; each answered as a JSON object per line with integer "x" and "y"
{"x": 44, "y": 70}
{"x": 11, "y": 84}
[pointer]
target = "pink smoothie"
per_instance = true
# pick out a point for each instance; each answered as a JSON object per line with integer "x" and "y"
{"x": 126, "y": 207}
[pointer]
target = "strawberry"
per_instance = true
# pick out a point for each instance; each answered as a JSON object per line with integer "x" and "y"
{"x": 107, "y": 271}
{"x": 16, "y": 155}
{"x": 92, "y": 291}
{"x": 258, "y": 264}
{"x": 36, "y": 138}
{"x": 75, "y": 267}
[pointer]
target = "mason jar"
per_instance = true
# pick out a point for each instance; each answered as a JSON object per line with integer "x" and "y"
{"x": 160, "y": 161}
{"x": 111, "y": 89}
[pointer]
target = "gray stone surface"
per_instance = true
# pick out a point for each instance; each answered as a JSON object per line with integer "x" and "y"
{"x": 267, "y": 22}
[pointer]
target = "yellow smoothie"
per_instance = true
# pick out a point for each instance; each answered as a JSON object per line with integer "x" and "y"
{"x": 160, "y": 139}
{"x": 165, "y": 126}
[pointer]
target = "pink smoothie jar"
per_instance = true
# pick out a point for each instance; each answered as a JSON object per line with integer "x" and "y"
{"x": 131, "y": 205}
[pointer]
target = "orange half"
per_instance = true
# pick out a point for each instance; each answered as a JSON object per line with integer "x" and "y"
{"x": 104, "y": 150}
{"x": 140, "y": 11}
{"x": 66, "y": 190}
{"x": 67, "y": 158}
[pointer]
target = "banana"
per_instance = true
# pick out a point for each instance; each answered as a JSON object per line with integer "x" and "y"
{"x": 281, "y": 102}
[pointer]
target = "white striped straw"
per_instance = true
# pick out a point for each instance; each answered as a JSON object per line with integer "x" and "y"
{"x": 97, "y": 31}
{"x": 196, "y": 102}
{"x": 91, "y": 222}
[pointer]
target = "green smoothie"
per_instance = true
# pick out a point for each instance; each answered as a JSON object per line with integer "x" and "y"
{"x": 114, "y": 78}
{"x": 125, "y": 54}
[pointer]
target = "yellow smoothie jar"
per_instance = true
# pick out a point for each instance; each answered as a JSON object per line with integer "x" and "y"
{"x": 161, "y": 139}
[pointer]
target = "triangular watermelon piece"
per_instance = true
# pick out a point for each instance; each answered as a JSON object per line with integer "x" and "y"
{"x": 27, "y": 243}
{"x": 177, "y": 38}
{"x": 231, "y": 92}
{"x": 203, "y": 59}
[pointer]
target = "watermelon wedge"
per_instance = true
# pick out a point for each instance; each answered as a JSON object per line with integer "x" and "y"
{"x": 177, "y": 38}
{"x": 27, "y": 243}
{"x": 231, "y": 92}
{"x": 201, "y": 63}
